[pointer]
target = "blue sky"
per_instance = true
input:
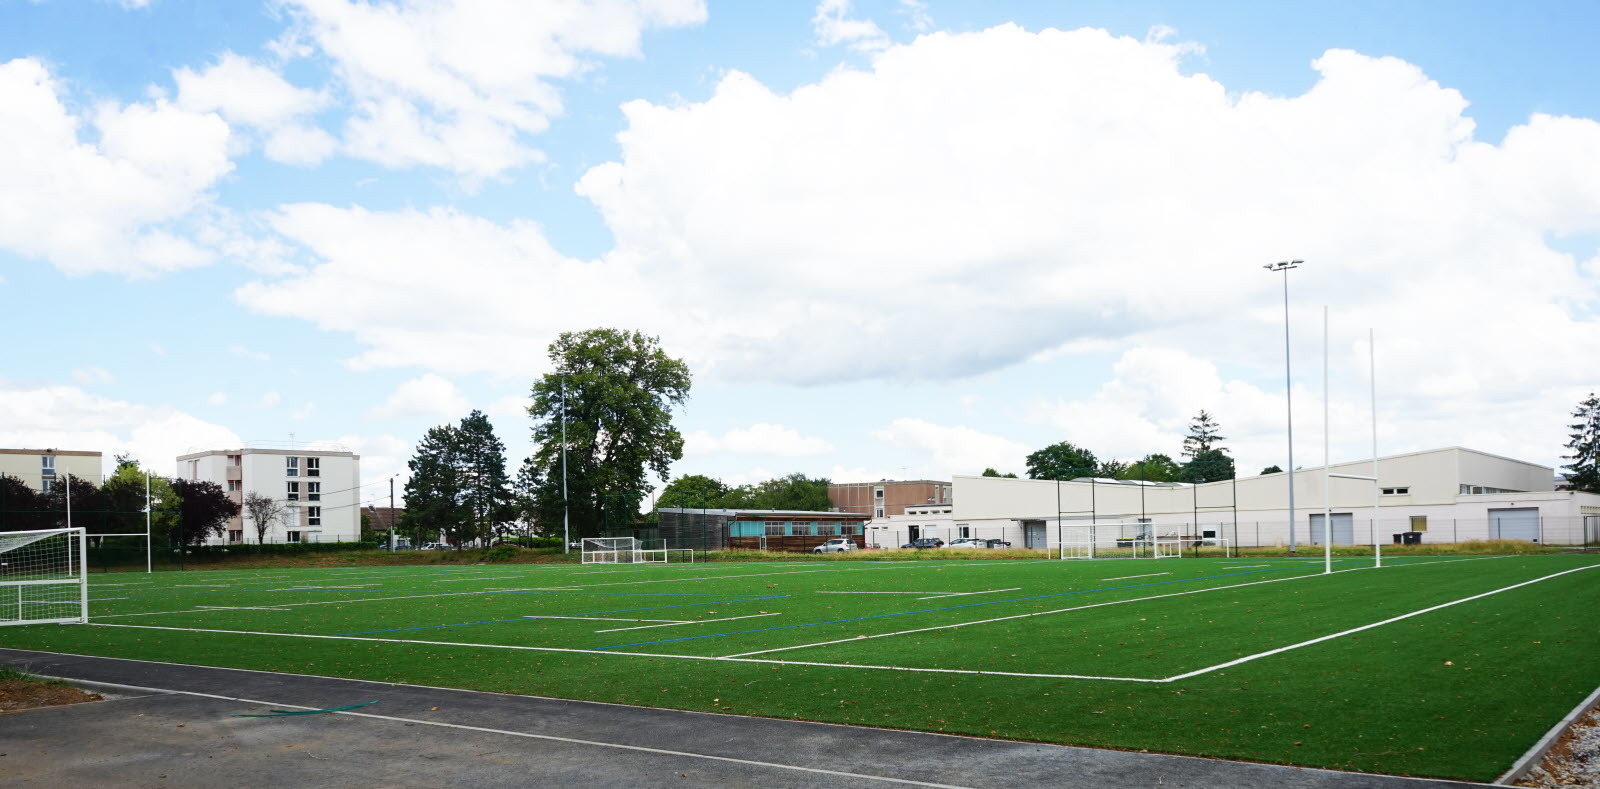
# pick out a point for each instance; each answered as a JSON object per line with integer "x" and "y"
{"x": 892, "y": 238}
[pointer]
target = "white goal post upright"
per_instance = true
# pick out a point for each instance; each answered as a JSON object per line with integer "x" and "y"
{"x": 44, "y": 577}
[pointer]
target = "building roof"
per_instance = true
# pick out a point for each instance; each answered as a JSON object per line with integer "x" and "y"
{"x": 762, "y": 513}
{"x": 52, "y": 451}
{"x": 258, "y": 451}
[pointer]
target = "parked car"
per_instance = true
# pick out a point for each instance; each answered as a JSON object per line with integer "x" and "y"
{"x": 992, "y": 543}
{"x": 968, "y": 542}
{"x": 835, "y": 545}
{"x": 435, "y": 546}
{"x": 925, "y": 542}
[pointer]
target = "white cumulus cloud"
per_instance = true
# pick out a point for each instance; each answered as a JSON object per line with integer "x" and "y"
{"x": 430, "y": 395}
{"x": 957, "y": 449}
{"x": 249, "y": 94}
{"x": 758, "y": 439}
{"x": 67, "y": 417}
{"x": 114, "y": 188}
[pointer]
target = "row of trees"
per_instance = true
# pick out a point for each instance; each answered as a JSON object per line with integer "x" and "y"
{"x": 182, "y": 511}
{"x": 791, "y": 492}
{"x": 1204, "y": 460}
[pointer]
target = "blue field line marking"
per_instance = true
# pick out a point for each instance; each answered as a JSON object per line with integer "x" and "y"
{"x": 932, "y": 610}
{"x": 528, "y": 619}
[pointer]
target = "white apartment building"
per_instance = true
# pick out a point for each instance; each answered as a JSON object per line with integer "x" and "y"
{"x": 1448, "y": 495}
{"x": 42, "y": 468}
{"x": 320, "y": 488}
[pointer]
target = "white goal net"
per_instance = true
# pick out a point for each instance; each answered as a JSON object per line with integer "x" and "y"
{"x": 1176, "y": 547}
{"x": 43, "y": 577}
{"x": 610, "y": 550}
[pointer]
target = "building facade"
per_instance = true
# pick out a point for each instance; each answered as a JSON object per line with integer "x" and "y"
{"x": 42, "y": 469}
{"x": 886, "y": 498}
{"x": 770, "y": 530}
{"x": 1447, "y": 495}
{"x": 320, "y": 489}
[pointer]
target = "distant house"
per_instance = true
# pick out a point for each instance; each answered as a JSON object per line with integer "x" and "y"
{"x": 42, "y": 469}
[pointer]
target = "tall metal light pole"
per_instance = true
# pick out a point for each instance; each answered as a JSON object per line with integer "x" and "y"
{"x": 1288, "y": 382}
{"x": 566, "y": 533}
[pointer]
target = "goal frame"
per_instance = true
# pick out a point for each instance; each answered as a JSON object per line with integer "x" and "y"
{"x": 75, "y": 564}
{"x": 1174, "y": 547}
{"x": 609, "y": 550}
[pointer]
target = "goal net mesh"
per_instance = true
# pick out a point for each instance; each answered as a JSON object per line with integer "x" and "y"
{"x": 611, "y": 550}
{"x": 41, "y": 577}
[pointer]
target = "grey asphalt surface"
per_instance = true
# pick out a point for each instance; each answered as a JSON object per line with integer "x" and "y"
{"x": 185, "y": 737}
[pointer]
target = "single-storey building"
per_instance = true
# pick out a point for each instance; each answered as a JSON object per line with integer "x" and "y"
{"x": 772, "y": 530}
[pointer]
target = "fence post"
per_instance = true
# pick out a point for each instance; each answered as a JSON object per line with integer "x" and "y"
{"x": 1455, "y": 530}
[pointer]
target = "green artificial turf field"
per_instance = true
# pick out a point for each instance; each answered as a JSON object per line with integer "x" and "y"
{"x": 1442, "y": 666}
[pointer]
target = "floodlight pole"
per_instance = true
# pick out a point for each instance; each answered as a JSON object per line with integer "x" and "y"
{"x": 1288, "y": 383}
{"x": 69, "y": 499}
{"x": 566, "y": 528}
{"x": 1327, "y": 480}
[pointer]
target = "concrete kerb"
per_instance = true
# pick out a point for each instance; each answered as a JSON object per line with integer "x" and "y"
{"x": 1548, "y": 741}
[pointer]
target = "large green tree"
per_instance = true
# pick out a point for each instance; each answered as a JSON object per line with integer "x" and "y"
{"x": 1584, "y": 441}
{"x": 616, "y": 390}
{"x": 20, "y": 506}
{"x": 1154, "y": 467}
{"x": 436, "y": 499}
{"x": 124, "y": 495}
{"x": 485, "y": 488}
{"x": 1062, "y": 461}
{"x": 990, "y": 472}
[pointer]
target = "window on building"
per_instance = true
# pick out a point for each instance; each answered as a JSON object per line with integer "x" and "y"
{"x": 293, "y": 536}
{"x": 313, "y": 516}
{"x": 48, "y": 484}
{"x": 236, "y": 535}
{"x": 850, "y": 528}
{"x": 774, "y": 528}
{"x": 235, "y": 460}
{"x": 879, "y": 513}
{"x": 1396, "y": 491}
{"x": 877, "y": 493}
{"x": 1419, "y": 523}
{"x": 47, "y": 465}
{"x": 827, "y": 529}
{"x": 966, "y": 531}
{"x": 293, "y": 493}
{"x": 313, "y": 490}
{"x": 313, "y": 467}
{"x": 800, "y": 528}
{"x": 235, "y": 485}
{"x": 291, "y": 467}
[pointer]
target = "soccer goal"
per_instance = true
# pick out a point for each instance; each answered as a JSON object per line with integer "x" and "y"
{"x": 1077, "y": 542}
{"x": 1175, "y": 547}
{"x": 610, "y": 550}
{"x": 43, "y": 577}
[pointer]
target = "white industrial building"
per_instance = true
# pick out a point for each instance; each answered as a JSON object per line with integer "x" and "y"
{"x": 320, "y": 489}
{"x": 1447, "y": 495}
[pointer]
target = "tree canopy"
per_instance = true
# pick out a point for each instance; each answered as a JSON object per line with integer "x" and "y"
{"x": 1062, "y": 461}
{"x": 435, "y": 493}
{"x": 693, "y": 491}
{"x": 989, "y": 472}
{"x": 1272, "y": 469}
{"x": 1209, "y": 465}
{"x": 203, "y": 511}
{"x": 1584, "y": 442}
{"x": 1153, "y": 468}
{"x": 616, "y": 390}
{"x": 1204, "y": 434}
{"x": 790, "y": 492}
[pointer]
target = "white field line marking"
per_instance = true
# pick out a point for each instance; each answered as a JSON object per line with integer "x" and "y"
{"x": 963, "y": 594}
{"x": 237, "y": 608}
{"x": 691, "y": 622}
{"x": 1240, "y": 566}
{"x": 315, "y": 602}
{"x": 607, "y": 619}
{"x": 1390, "y": 620}
{"x": 1045, "y": 613}
{"x": 1126, "y": 577}
{"x": 570, "y": 740}
{"x": 103, "y": 599}
{"x": 202, "y": 586}
{"x": 821, "y": 591}
{"x": 131, "y": 583}
{"x": 627, "y": 654}
{"x": 490, "y": 578}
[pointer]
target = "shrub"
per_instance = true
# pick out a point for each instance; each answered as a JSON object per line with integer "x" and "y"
{"x": 502, "y": 553}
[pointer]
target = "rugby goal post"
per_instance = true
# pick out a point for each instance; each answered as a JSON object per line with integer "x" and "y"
{"x": 44, "y": 577}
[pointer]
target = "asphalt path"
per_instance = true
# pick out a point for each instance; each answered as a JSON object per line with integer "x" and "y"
{"x": 171, "y": 725}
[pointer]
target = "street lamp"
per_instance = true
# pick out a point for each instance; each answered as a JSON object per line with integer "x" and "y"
{"x": 1288, "y": 383}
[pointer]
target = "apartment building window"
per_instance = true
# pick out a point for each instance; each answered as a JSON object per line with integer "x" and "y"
{"x": 880, "y": 513}
{"x": 313, "y": 517}
{"x": 313, "y": 490}
{"x": 236, "y": 535}
{"x": 235, "y": 485}
{"x": 313, "y": 467}
{"x": 47, "y": 465}
{"x": 235, "y": 460}
{"x": 48, "y": 484}
{"x": 877, "y": 493}
{"x": 294, "y": 491}
{"x": 966, "y": 531}
{"x": 291, "y": 467}
{"x": 293, "y": 536}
